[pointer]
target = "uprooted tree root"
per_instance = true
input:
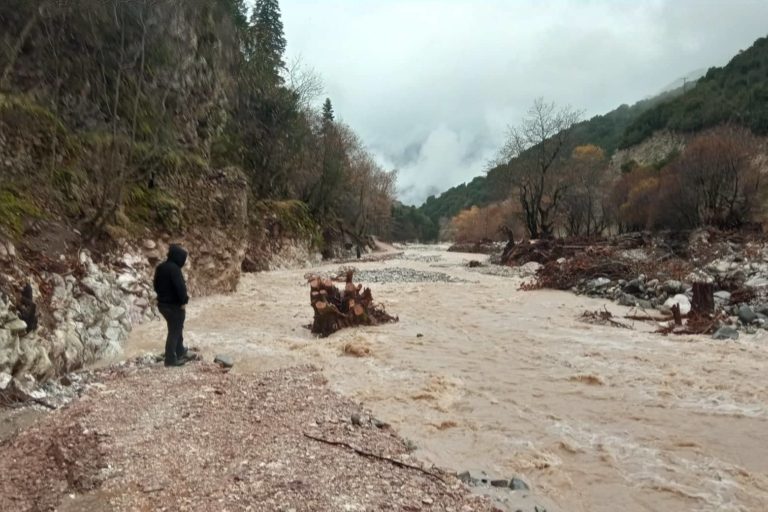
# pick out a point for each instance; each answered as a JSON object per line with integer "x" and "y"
{"x": 604, "y": 317}
{"x": 336, "y": 309}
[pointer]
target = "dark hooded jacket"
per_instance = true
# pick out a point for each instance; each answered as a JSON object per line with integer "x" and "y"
{"x": 169, "y": 282}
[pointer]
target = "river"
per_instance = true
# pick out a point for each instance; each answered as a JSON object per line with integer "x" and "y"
{"x": 594, "y": 417}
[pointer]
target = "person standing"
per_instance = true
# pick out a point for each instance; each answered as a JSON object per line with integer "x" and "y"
{"x": 171, "y": 290}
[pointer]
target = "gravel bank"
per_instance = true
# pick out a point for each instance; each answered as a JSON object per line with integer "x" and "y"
{"x": 196, "y": 438}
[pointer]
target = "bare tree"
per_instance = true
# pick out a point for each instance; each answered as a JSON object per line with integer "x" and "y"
{"x": 305, "y": 82}
{"x": 719, "y": 176}
{"x": 534, "y": 153}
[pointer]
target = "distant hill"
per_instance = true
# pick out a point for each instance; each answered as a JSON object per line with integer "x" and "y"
{"x": 735, "y": 93}
{"x": 605, "y": 131}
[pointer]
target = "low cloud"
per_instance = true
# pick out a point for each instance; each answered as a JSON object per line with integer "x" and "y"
{"x": 430, "y": 85}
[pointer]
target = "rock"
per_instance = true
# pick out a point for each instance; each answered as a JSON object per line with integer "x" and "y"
{"x": 757, "y": 282}
{"x": 746, "y": 315}
{"x": 518, "y": 485}
{"x": 645, "y": 304}
{"x": 224, "y": 361}
{"x": 600, "y": 282}
{"x": 5, "y": 379}
{"x": 474, "y": 264}
{"x": 682, "y": 301}
{"x": 17, "y": 326}
{"x": 634, "y": 286}
{"x": 723, "y": 296}
{"x": 652, "y": 284}
{"x": 672, "y": 286}
{"x": 500, "y": 483}
{"x": 419, "y": 335}
{"x": 149, "y": 244}
{"x": 379, "y": 424}
{"x": 475, "y": 477}
{"x": 726, "y": 333}
{"x": 627, "y": 300}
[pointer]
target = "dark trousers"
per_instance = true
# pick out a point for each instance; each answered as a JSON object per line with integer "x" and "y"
{"x": 174, "y": 343}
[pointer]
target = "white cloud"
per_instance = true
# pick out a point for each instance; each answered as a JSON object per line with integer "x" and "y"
{"x": 431, "y": 85}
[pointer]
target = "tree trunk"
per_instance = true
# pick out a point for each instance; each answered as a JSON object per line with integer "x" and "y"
{"x": 703, "y": 298}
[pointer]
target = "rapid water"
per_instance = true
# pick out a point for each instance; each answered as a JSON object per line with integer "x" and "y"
{"x": 595, "y": 418}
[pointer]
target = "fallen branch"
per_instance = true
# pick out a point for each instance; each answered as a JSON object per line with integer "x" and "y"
{"x": 603, "y": 317}
{"x": 374, "y": 456}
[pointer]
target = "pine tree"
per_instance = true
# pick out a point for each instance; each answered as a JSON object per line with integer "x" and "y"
{"x": 268, "y": 37}
{"x": 328, "y": 116}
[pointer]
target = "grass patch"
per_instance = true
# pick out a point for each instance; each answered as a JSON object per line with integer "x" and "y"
{"x": 14, "y": 208}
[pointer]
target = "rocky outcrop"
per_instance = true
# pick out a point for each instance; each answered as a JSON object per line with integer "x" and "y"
{"x": 86, "y": 314}
{"x": 651, "y": 151}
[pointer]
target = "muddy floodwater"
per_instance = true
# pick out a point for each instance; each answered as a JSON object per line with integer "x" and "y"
{"x": 595, "y": 418}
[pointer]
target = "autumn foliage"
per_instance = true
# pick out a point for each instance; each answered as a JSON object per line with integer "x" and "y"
{"x": 716, "y": 180}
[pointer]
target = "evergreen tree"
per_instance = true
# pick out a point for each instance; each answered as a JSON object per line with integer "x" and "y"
{"x": 268, "y": 39}
{"x": 328, "y": 116}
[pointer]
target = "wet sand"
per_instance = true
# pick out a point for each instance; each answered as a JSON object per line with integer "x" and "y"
{"x": 595, "y": 418}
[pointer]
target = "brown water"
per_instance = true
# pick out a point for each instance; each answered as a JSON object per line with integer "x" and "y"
{"x": 594, "y": 417}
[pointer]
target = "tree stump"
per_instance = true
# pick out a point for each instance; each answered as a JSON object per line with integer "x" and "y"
{"x": 335, "y": 309}
{"x": 703, "y": 298}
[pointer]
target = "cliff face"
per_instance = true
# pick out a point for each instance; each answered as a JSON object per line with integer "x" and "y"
{"x": 107, "y": 117}
{"x": 655, "y": 149}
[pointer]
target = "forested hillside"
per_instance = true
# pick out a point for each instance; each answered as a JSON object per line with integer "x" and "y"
{"x": 605, "y": 131}
{"x": 110, "y": 109}
{"x": 736, "y": 94}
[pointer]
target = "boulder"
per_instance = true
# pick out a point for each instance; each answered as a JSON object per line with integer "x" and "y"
{"x": 757, "y": 282}
{"x": 726, "y": 333}
{"x": 627, "y": 300}
{"x": 746, "y": 315}
{"x": 5, "y": 379}
{"x": 224, "y": 361}
{"x": 680, "y": 300}
{"x": 673, "y": 287}
{"x": 17, "y": 326}
{"x": 600, "y": 282}
{"x": 723, "y": 296}
{"x": 635, "y": 286}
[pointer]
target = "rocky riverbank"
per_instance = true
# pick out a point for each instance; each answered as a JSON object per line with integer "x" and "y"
{"x": 657, "y": 272}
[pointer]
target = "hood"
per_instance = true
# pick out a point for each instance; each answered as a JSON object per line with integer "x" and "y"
{"x": 177, "y": 255}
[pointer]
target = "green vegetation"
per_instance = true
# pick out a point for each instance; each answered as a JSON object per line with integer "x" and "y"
{"x": 136, "y": 100}
{"x": 736, "y": 93}
{"x": 14, "y": 208}
{"x": 411, "y": 224}
{"x": 293, "y": 219}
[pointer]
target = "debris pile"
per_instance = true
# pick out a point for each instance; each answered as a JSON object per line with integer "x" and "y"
{"x": 660, "y": 272}
{"x": 336, "y": 309}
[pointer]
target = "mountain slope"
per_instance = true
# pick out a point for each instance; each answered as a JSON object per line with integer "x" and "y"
{"x": 735, "y": 93}
{"x": 605, "y": 131}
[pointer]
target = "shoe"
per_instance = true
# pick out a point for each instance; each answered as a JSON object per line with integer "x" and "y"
{"x": 178, "y": 362}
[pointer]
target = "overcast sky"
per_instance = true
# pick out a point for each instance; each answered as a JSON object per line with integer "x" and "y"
{"x": 431, "y": 85}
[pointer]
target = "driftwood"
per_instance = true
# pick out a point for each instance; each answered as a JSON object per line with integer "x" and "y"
{"x": 335, "y": 309}
{"x": 374, "y": 456}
